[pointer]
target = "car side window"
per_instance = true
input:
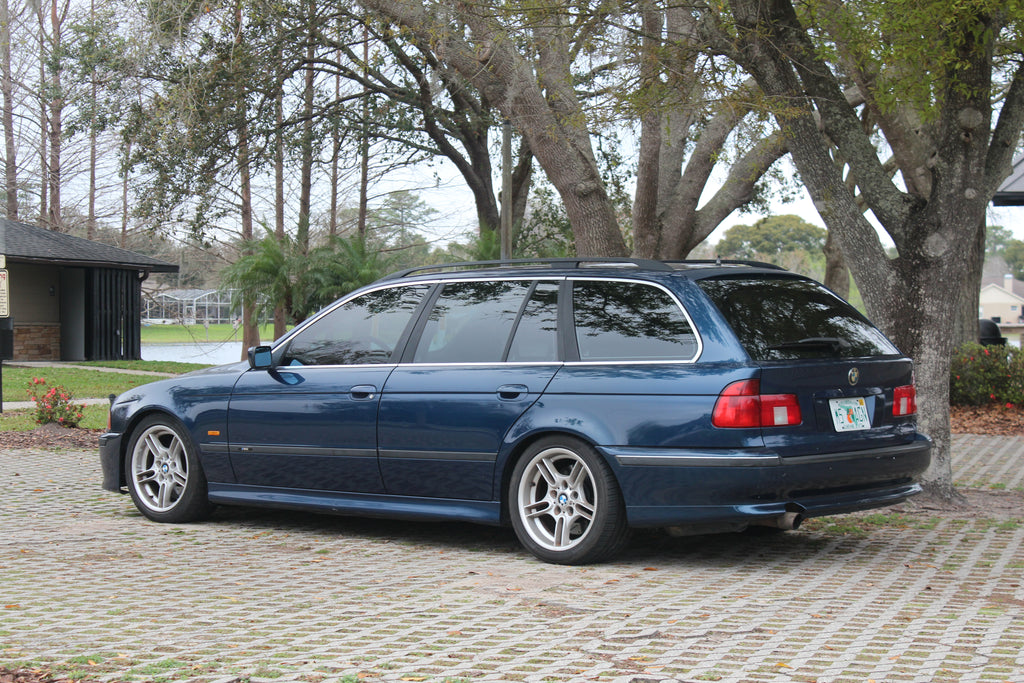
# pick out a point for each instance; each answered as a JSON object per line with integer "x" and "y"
{"x": 364, "y": 330}
{"x": 471, "y": 322}
{"x": 624, "y": 321}
{"x": 536, "y": 335}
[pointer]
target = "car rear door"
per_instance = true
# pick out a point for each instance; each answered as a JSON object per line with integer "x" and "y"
{"x": 482, "y": 355}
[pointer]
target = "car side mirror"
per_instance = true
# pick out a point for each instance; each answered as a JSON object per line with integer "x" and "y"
{"x": 260, "y": 357}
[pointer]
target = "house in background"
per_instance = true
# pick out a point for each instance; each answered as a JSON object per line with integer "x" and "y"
{"x": 1002, "y": 300}
{"x": 72, "y": 298}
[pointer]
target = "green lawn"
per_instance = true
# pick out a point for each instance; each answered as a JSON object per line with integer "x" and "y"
{"x": 82, "y": 384}
{"x": 178, "y": 334}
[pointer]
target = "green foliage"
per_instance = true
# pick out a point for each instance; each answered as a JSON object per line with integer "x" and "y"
{"x": 920, "y": 51}
{"x": 1014, "y": 256}
{"x": 302, "y": 281}
{"x": 771, "y": 236}
{"x": 980, "y": 375}
{"x": 546, "y": 231}
{"x": 54, "y": 404}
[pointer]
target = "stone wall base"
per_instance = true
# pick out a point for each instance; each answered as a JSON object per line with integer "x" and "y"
{"x": 37, "y": 341}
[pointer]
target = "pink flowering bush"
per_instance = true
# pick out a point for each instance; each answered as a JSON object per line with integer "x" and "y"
{"x": 53, "y": 404}
{"x": 981, "y": 375}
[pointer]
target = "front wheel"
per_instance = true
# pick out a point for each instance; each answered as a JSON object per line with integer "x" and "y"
{"x": 565, "y": 505}
{"x": 165, "y": 479}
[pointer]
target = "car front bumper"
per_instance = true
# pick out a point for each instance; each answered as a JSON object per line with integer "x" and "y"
{"x": 111, "y": 461}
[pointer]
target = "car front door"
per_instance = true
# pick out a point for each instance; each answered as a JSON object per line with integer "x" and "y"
{"x": 310, "y": 422}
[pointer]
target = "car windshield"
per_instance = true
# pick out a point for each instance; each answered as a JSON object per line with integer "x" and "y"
{"x": 784, "y": 318}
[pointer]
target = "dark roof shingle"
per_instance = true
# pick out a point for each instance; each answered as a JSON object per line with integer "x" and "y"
{"x": 22, "y": 242}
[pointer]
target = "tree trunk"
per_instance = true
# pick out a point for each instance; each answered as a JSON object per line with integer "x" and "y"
{"x": 55, "y": 220}
{"x": 908, "y": 297}
{"x": 306, "y": 172}
{"x": 965, "y": 329}
{"x": 280, "y": 312}
{"x": 124, "y": 195}
{"x": 250, "y": 326}
{"x": 7, "y": 88}
{"x": 837, "y": 275}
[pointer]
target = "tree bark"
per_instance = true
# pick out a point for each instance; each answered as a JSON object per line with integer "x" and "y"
{"x": 7, "y": 89}
{"x": 837, "y": 275}
{"x": 55, "y": 220}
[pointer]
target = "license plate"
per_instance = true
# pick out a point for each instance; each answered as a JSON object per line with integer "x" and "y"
{"x": 849, "y": 414}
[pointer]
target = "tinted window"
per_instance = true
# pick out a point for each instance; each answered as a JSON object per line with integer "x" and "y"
{"x": 364, "y": 330}
{"x": 787, "y": 318}
{"x": 536, "y": 336}
{"x": 471, "y": 322}
{"x": 630, "y": 321}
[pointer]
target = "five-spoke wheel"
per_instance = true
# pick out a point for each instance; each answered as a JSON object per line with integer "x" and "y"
{"x": 164, "y": 476}
{"x": 565, "y": 505}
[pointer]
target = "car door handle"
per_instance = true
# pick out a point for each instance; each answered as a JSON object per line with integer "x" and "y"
{"x": 363, "y": 392}
{"x": 511, "y": 392}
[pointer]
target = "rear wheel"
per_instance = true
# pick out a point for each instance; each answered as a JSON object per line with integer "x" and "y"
{"x": 164, "y": 477}
{"x": 565, "y": 505}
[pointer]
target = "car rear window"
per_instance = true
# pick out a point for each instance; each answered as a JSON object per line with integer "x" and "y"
{"x": 784, "y": 318}
{"x": 630, "y": 321}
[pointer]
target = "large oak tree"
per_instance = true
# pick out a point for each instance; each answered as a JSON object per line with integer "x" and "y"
{"x": 943, "y": 83}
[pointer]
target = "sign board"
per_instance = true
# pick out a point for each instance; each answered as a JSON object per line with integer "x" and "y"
{"x": 5, "y": 295}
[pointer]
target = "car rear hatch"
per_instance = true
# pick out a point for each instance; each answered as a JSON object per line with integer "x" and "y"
{"x": 830, "y": 382}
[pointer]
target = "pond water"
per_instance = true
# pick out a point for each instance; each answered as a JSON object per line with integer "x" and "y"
{"x": 213, "y": 353}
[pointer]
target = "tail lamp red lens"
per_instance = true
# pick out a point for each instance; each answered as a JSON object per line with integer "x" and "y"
{"x": 904, "y": 401}
{"x": 742, "y": 405}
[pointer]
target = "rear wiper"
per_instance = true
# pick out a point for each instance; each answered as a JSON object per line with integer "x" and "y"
{"x": 833, "y": 344}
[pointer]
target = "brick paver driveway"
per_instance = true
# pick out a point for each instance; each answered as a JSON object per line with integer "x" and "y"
{"x": 90, "y": 589}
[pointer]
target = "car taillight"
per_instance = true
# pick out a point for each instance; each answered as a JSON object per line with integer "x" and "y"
{"x": 741, "y": 404}
{"x": 904, "y": 401}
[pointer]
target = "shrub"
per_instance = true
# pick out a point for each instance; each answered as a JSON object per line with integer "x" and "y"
{"x": 53, "y": 404}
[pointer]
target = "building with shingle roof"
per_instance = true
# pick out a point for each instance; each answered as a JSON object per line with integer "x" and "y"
{"x": 72, "y": 298}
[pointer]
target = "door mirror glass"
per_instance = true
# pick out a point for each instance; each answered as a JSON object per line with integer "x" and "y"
{"x": 260, "y": 357}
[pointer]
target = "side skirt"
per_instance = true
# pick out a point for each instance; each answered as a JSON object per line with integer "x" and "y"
{"x": 358, "y": 504}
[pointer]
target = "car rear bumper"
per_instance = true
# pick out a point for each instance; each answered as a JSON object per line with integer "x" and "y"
{"x": 665, "y": 487}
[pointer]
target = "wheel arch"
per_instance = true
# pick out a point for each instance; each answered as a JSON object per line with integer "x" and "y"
{"x": 515, "y": 453}
{"x": 131, "y": 423}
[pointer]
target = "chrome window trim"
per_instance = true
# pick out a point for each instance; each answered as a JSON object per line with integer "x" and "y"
{"x": 554, "y": 278}
{"x": 672, "y": 296}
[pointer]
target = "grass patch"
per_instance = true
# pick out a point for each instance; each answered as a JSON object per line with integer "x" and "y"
{"x": 167, "y": 366}
{"x": 81, "y": 383}
{"x": 862, "y": 525}
{"x": 183, "y": 334}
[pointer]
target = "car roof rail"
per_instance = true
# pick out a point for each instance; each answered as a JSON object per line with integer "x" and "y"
{"x": 726, "y": 262}
{"x": 560, "y": 262}
{"x": 578, "y": 262}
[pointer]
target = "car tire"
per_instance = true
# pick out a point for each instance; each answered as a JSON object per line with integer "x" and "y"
{"x": 164, "y": 477}
{"x": 564, "y": 503}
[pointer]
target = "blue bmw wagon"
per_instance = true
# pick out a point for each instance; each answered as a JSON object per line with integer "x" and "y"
{"x": 573, "y": 399}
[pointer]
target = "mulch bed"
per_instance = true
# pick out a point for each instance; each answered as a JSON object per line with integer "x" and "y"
{"x": 51, "y": 436}
{"x": 992, "y": 419}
